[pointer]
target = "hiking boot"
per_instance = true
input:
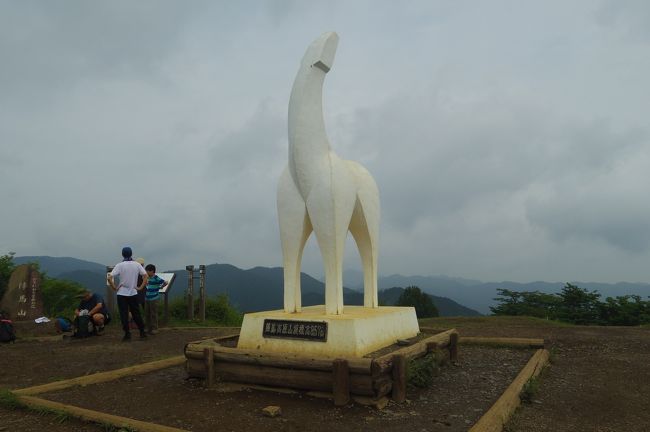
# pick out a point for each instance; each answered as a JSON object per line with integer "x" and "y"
{"x": 143, "y": 335}
{"x": 127, "y": 337}
{"x": 100, "y": 331}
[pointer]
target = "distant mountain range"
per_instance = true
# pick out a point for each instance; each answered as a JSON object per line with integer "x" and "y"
{"x": 480, "y": 296}
{"x": 260, "y": 288}
{"x": 256, "y": 289}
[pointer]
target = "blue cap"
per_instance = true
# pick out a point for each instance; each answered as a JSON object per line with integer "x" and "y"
{"x": 127, "y": 252}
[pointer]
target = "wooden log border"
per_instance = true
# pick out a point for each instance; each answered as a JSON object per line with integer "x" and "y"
{"x": 492, "y": 421}
{"x": 101, "y": 377}
{"x": 368, "y": 377}
{"x": 503, "y": 342}
{"x": 341, "y": 386}
{"x": 498, "y": 415}
{"x": 95, "y": 416}
{"x": 27, "y": 396}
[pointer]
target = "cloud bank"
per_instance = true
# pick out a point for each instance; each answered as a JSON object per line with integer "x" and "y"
{"x": 509, "y": 141}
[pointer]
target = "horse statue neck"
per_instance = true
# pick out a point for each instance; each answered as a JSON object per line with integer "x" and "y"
{"x": 308, "y": 143}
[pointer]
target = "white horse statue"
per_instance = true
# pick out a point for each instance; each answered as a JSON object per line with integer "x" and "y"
{"x": 320, "y": 192}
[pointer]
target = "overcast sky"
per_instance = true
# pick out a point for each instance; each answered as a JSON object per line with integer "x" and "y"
{"x": 510, "y": 140}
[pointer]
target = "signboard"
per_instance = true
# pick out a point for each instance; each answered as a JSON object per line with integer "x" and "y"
{"x": 288, "y": 329}
{"x": 23, "y": 299}
{"x": 169, "y": 278}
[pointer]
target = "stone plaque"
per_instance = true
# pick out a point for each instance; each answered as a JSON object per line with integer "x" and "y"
{"x": 289, "y": 329}
{"x": 23, "y": 299}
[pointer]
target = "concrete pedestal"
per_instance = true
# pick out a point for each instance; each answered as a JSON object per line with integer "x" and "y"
{"x": 312, "y": 332}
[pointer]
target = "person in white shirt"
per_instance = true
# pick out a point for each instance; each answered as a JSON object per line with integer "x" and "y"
{"x": 127, "y": 290}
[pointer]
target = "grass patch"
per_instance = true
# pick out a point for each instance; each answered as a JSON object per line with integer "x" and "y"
{"x": 60, "y": 416}
{"x": 10, "y": 400}
{"x": 421, "y": 371}
{"x": 107, "y": 427}
{"x": 529, "y": 390}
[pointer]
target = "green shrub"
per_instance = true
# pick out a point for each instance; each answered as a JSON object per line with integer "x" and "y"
{"x": 177, "y": 308}
{"x": 220, "y": 310}
{"x": 421, "y": 371}
{"x": 6, "y": 268}
{"x": 60, "y": 297}
{"x": 217, "y": 310}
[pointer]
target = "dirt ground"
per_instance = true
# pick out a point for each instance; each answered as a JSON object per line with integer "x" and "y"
{"x": 459, "y": 396}
{"x": 599, "y": 381}
{"x": 32, "y": 362}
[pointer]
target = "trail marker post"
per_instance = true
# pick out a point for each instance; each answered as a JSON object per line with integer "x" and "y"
{"x": 190, "y": 291}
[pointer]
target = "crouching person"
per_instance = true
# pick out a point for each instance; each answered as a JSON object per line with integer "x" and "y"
{"x": 91, "y": 316}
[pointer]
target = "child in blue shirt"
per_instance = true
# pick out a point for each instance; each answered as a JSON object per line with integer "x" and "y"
{"x": 154, "y": 285}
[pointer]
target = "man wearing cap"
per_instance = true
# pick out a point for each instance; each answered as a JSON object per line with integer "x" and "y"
{"x": 127, "y": 291}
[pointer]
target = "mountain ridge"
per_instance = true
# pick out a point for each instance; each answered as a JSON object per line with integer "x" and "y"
{"x": 475, "y": 297}
{"x": 250, "y": 290}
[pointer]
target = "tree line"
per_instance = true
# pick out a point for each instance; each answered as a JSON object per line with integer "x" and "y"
{"x": 574, "y": 305}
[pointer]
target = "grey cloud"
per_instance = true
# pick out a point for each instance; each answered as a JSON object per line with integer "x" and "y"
{"x": 435, "y": 160}
{"x": 48, "y": 47}
{"x": 631, "y": 17}
{"x": 443, "y": 165}
{"x": 606, "y": 205}
{"x": 249, "y": 150}
{"x": 500, "y": 144}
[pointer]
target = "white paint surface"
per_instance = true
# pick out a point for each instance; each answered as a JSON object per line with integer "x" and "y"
{"x": 359, "y": 331}
{"x": 320, "y": 192}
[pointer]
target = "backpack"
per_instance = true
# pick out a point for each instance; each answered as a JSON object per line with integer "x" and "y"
{"x": 62, "y": 325}
{"x": 84, "y": 327}
{"x": 7, "y": 333}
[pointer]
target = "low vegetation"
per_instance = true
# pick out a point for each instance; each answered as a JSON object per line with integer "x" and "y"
{"x": 218, "y": 311}
{"x": 60, "y": 297}
{"x": 9, "y": 400}
{"x": 574, "y": 305}
{"x": 421, "y": 371}
{"x": 529, "y": 390}
{"x": 6, "y": 267}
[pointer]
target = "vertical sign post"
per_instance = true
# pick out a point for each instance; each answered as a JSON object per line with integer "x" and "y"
{"x": 202, "y": 292}
{"x": 190, "y": 291}
{"x": 166, "y": 312}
